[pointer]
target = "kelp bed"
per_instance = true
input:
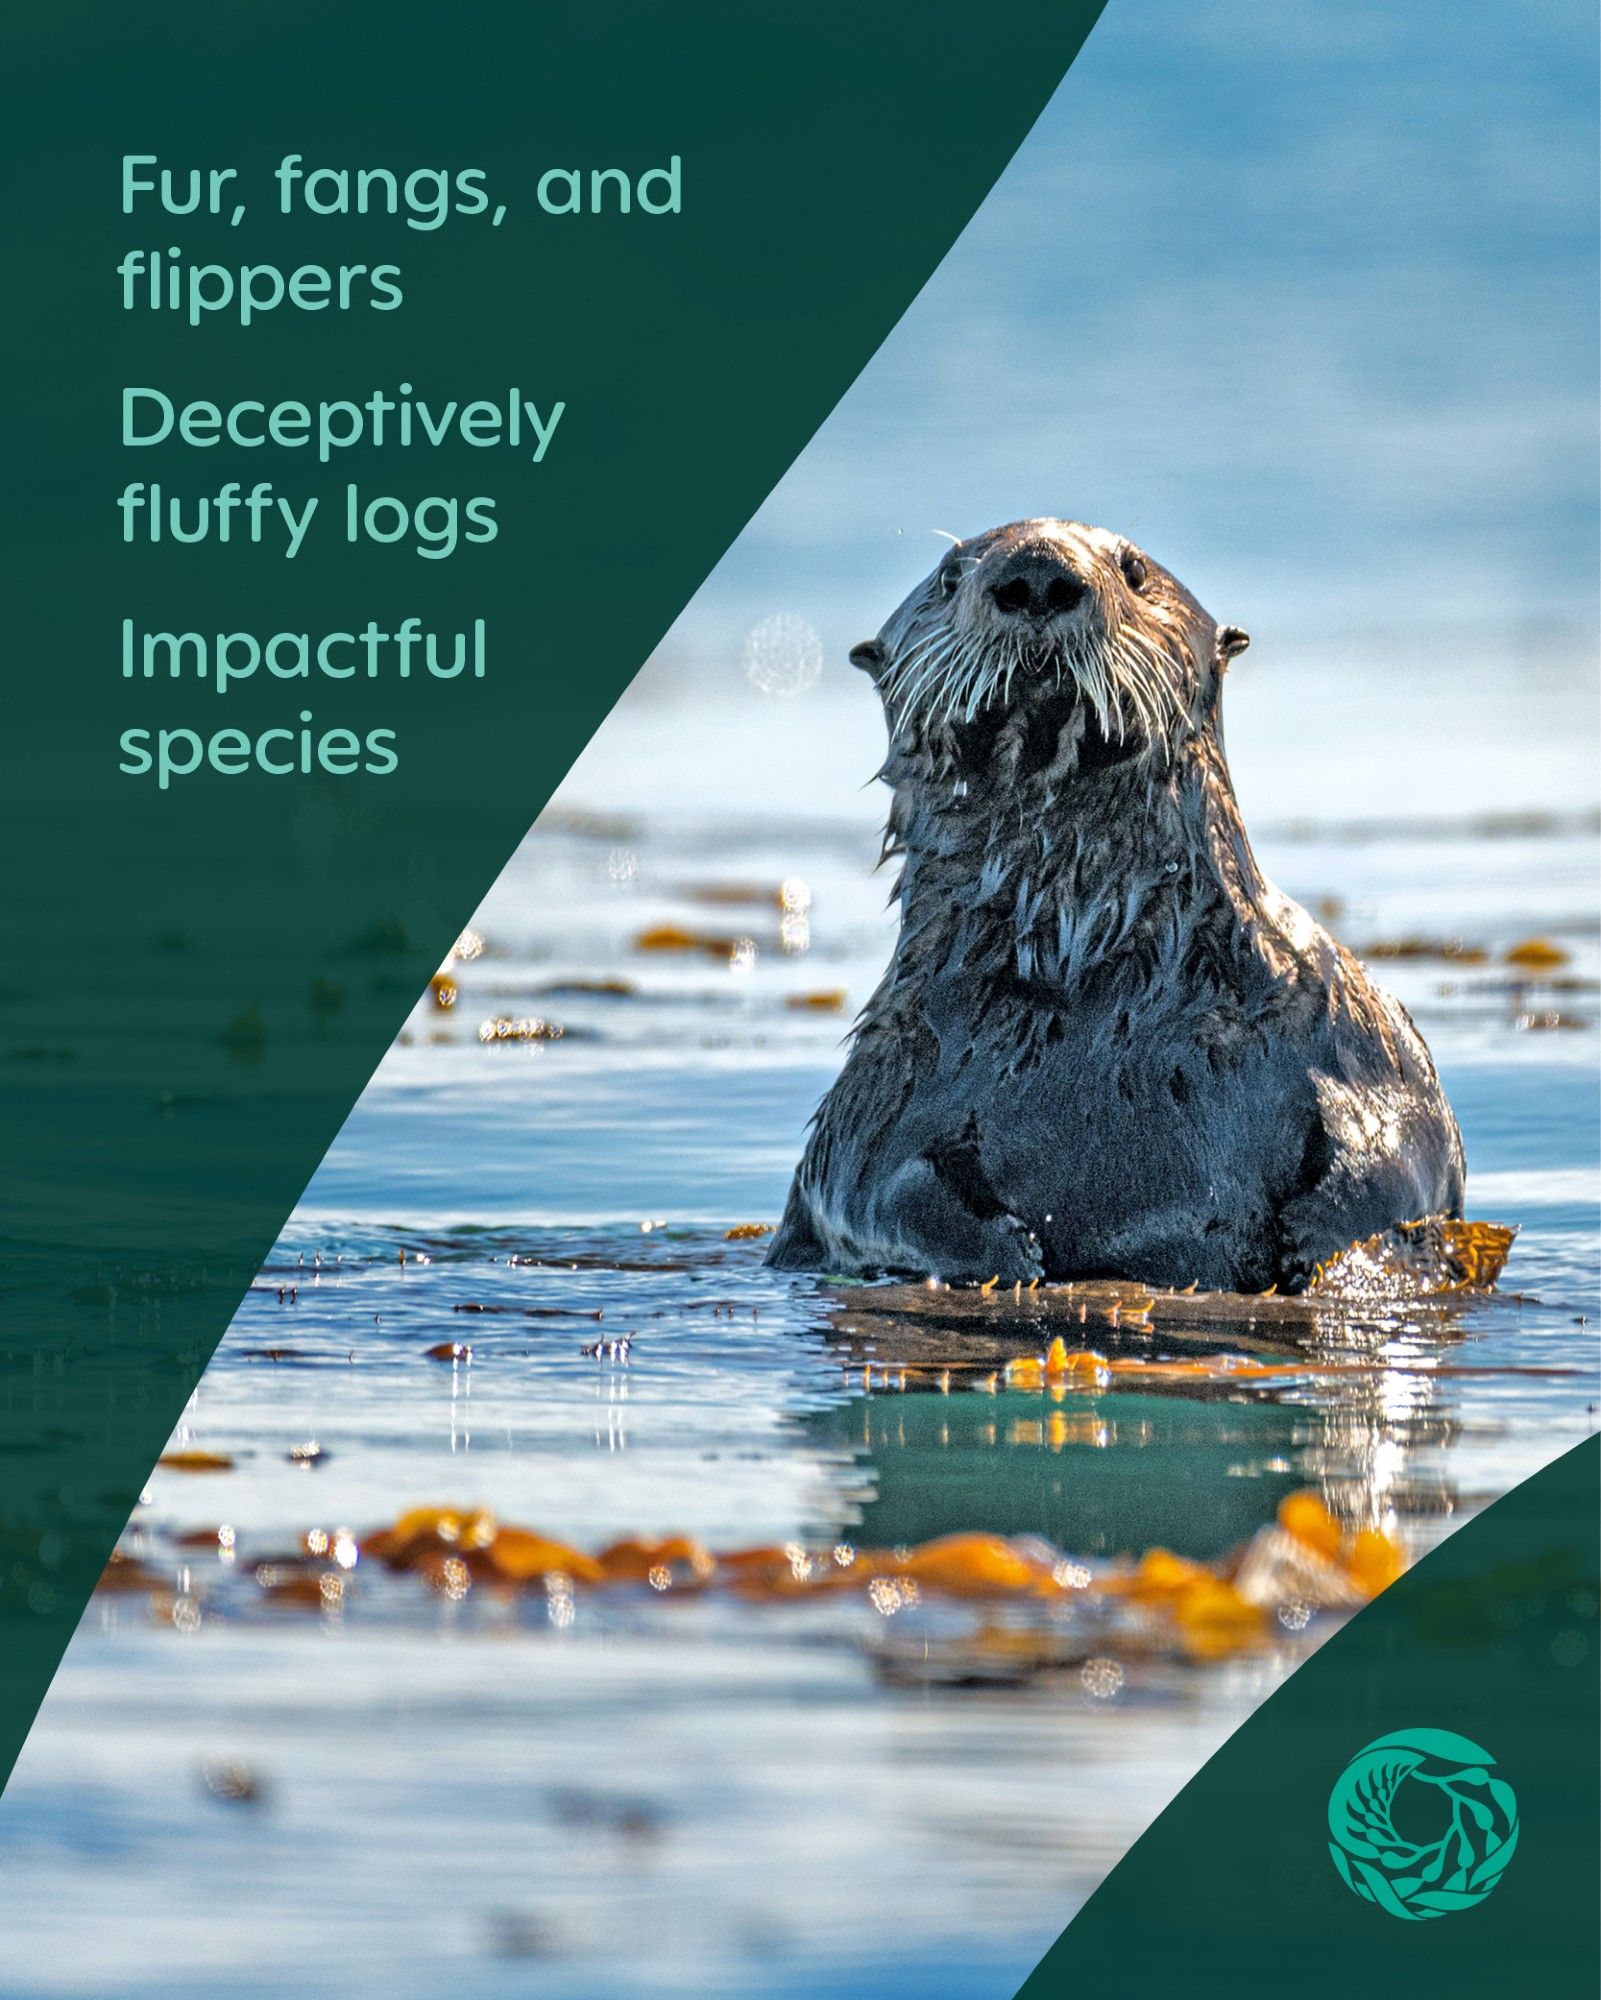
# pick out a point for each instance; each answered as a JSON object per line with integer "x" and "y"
{"x": 1030, "y": 1605}
{"x": 1060, "y": 1611}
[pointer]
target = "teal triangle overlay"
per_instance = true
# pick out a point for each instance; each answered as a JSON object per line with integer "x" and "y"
{"x": 198, "y": 984}
{"x": 1232, "y": 1890}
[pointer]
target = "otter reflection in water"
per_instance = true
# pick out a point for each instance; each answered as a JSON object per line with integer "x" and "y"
{"x": 1105, "y": 1044}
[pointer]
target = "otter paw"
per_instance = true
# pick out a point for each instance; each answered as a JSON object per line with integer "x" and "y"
{"x": 1019, "y": 1256}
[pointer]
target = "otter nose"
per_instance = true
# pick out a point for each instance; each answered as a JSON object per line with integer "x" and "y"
{"x": 1035, "y": 582}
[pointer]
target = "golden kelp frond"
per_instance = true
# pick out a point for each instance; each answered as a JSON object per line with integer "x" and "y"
{"x": 675, "y": 938}
{"x": 1079, "y": 1368}
{"x": 1304, "y": 1516}
{"x": 127, "y": 1573}
{"x": 522, "y": 1556}
{"x": 423, "y": 1528}
{"x": 1427, "y": 1258}
{"x": 736, "y": 895}
{"x": 971, "y": 1565}
{"x": 677, "y": 1558}
{"x": 1215, "y": 1620}
{"x": 1307, "y": 1558}
{"x": 828, "y": 1000}
{"x": 1537, "y": 955}
{"x": 1477, "y": 1250}
{"x": 1163, "y": 1604}
{"x": 1451, "y": 950}
{"x": 1060, "y": 1369}
{"x": 1211, "y": 1616}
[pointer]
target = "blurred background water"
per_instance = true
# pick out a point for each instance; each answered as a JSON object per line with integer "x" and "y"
{"x": 1304, "y": 300}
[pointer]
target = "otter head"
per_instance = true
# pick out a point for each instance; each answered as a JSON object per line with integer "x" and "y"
{"x": 1047, "y": 646}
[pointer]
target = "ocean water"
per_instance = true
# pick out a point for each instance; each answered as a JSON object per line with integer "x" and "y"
{"x": 627, "y": 1793}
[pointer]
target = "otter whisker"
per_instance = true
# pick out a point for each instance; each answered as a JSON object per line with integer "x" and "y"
{"x": 931, "y": 667}
{"x": 933, "y": 684}
{"x": 953, "y": 685}
{"x": 1012, "y": 666}
{"x": 1151, "y": 676}
{"x": 942, "y": 679}
{"x": 977, "y": 682}
{"x": 1090, "y": 670}
{"x": 930, "y": 643}
{"x": 921, "y": 666}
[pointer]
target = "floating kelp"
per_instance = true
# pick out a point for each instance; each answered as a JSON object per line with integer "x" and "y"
{"x": 591, "y": 989}
{"x": 1424, "y": 1270}
{"x": 1059, "y": 1370}
{"x": 530, "y": 1312}
{"x": 1426, "y": 1259}
{"x": 124, "y": 1572}
{"x": 675, "y": 938}
{"x": 1537, "y": 955}
{"x": 1450, "y": 950}
{"x": 1302, "y": 1562}
{"x": 1081, "y": 1367}
{"x": 735, "y": 895}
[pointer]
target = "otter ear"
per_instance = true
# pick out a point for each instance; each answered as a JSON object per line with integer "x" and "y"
{"x": 1230, "y": 640}
{"x": 870, "y": 656}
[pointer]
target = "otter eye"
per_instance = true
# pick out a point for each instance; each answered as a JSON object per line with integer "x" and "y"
{"x": 950, "y": 577}
{"x": 1134, "y": 570}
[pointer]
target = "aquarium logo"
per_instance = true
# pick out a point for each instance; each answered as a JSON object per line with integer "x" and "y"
{"x": 1456, "y": 1868}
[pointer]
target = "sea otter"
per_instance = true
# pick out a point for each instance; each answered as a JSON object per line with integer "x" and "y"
{"x": 1106, "y": 1045}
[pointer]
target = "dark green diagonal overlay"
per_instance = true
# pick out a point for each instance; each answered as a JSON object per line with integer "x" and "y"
{"x": 198, "y": 981}
{"x": 1233, "y": 1890}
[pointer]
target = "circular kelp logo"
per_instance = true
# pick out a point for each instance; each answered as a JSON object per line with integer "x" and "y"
{"x": 1458, "y": 1826}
